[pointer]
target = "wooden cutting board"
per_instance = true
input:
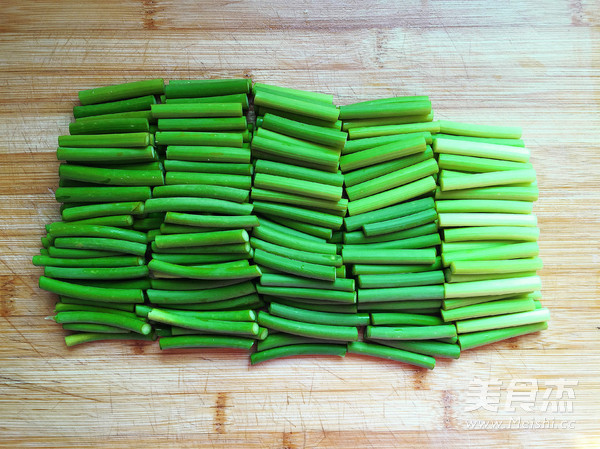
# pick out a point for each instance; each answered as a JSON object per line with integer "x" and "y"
{"x": 526, "y": 63}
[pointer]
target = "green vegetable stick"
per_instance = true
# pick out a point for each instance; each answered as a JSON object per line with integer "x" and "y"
{"x": 323, "y": 307}
{"x": 186, "y": 138}
{"x": 226, "y": 180}
{"x": 209, "y": 154}
{"x": 228, "y": 221}
{"x": 96, "y": 272}
{"x": 324, "y": 331}
{"x": 374, "y": 172}
{"x": 447, "y": 220}
{"x": 109, "y": 126}
{"x": 423, "y": 241}
{"x": 468, "y": 244}
{"x": 93, "y": 262}
{"x": 297, "y": 117}
{"x": 390, "y": 197}
{"x": 411, "y": 332}
{"x": 205, "y": 341}
{"x": 132, "y": 104}
{"x": 500, "y": 307}
{"x": 467, "y": 181}
{"x": 475, "y": 339}
{"x": 202, "y": 124}
{"x": 80, "y": 338}
{"x": 103, "y": 209}
{"x": 496, "y": 266}
{"x": 425, "y": 347}
{"x": 502, "y": 321}
{"x": 208, "y": 167}
{"x": 298, "y": 187}
{"x": 352, "y": 146}
{"x": 109, "y": 319}
{"x": 400, "y": 120}
{"x": 491, "y": 233}
{"x": 202, "y": 238}
{"x": 395, "y": 179}
{"x": 122, "y": 140}
{"x": 449, "y": 304}
{"x": 509, "y": 251}
{"x": 206, "y": 88}
{"x": 101, "y": 194}
{"x": 190, "y": 284}
{"x": 388, "y": 130}
{"x": 400, "y": 279}
{"x": 299, "y": 214}
{"x": 319, "y": 111}
{"x": 311, "y": 316}
{"x": 209, "y": 271}
{"x": 496, "y": 206}
{"x": 318, "y": 134}
{"x": 388, "y": 213}
{"x": 62, "y": 229}
{"x": 317, "y": 231}
{"x": 300, "y": 201}
{"x": 202, "y": 191}
{"x": 111, "y": 176}
{"x": 204, "y": 205}
{"x": 467, "y": 129}
{"x": 283, "y": 339}
{"x": 414, "y": 306}
{"x": 478, "y": 164}
{"x": 64, "y": 307}
{"x": 196, "y": 110}
{"x": 332, "y": 260}
{"x": 480, "y": 149}
{"x": 492, "y": 287}
{"x": 128, "y": 307}
{"x": 102, "y": 155}
{"x": 376, "y": 110}
{"x": 287, "y": 91}
{"x": 247, "y": 301}
{"x": 233, "y": 98}
{"x": 328, "y": 159}
{"x": 400, "y": 293}
{"x": 170, "y": 297}
{"x": 401, "y": 223}
{"x": 360, "y": 269}
{"x": 122, "y": 91}
{"x": 240, "y": 249}
{"x": 316, "y": 294}
{"x": 213, "y": 326}
{"x": 298, "y": 268}
{"x": 384, "y": 352}
{"x": 451, "y": 278}
{"x": 388, "y": 256}
{"x": 410, "y": 319}
{"x": 358, "y": 237}
{"x": 281, "y": 280}
{"x": 383, "y": 153}
{"x": 298, "y": 349}
{"x": 296, "y": 172}
{"x": 104, "y": 244}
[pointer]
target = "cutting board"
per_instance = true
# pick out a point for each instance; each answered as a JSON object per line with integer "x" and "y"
{"x": 521, "y": 63}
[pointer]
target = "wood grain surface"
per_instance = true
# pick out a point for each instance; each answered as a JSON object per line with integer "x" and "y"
{"x": 530, "y": 63}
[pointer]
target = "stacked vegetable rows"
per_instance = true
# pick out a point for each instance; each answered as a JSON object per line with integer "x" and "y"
{"x": 392, "y": 237}
{"x": 490, "y": 250}
{"x": 95, "y": 258}
{"x": 297, "y": 194}
{"x": 200, "y": 258}
{"x": 171, "y": 183}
